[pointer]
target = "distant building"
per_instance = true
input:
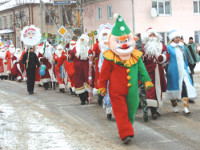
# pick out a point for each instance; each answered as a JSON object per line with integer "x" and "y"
{"x": 183, "y": 15}
{"x": 16, "y": 14}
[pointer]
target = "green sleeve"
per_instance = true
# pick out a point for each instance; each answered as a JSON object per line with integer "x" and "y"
{"x": 143, "y": 74}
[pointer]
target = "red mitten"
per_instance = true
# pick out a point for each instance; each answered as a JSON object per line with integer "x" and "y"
{"x": 90, "y": 52}
{"x": 62, "y": 53}
{"x": 160, "y": 59}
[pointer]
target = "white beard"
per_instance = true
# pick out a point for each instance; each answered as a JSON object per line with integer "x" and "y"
{"x": 153, "y": 47}
{"x": 71, "y": 47}
{"x": 2, "y": 54}
{"x": 82, "y": 50}
{"x": 103, "y": 47}
{"x": 12, "y": 50}
{"x": 48, "y": 53}
{"x": 17, "y": 55}
{"x": 58, "y": 53}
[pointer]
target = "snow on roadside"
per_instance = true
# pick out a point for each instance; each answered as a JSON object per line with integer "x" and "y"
{"x": 29, "y": 130}
{"x": 197, "y": 68}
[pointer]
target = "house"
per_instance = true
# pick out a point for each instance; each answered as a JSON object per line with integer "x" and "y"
{"x": 161, "y": 15}
{"x": 16, "y": 14}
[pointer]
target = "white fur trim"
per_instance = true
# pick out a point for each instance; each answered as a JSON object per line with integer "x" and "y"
{"x": 173, "y": 35}
{"x": 61, "y": 86}
{"x": 69, "y": 84}
{"x": 158, "y": 86}
{"x": 95, "y": 91}
{"x": 164, "y": 59}
{"x": 116, "y": 15}
{"x": 46, "y": 80}
{"x": 79, "y": 91}
{"x": 73, "y": 89}
{"x": 172, "y": 95}
{"x": 8, "y": 72}
{"x": 19, "y": 78}
{"x": 109, "y": 110}
{"x": 152, "y": 103}
{"x": 87, "y": 87}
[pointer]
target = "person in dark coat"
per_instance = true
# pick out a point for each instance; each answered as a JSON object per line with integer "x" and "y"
{"x": 30, "y": 69}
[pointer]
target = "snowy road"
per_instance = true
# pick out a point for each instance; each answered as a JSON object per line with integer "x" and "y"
{"x": 49, "y": 120}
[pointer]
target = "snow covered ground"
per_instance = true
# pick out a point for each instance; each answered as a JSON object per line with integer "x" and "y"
{"x": 197, "y": 68}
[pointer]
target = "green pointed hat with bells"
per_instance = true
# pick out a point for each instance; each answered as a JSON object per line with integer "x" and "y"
{"x": 120, "y": 28}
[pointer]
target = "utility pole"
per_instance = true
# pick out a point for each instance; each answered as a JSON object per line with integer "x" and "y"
{"x": 133, "y": 17}
{"x": 41, "y": 17}
{"x": 60, "y": 15}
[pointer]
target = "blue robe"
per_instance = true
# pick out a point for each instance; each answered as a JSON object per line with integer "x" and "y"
{"x": 178, "y": 71}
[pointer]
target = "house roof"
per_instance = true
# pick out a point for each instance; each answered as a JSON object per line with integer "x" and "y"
{"x": 15, "y": 3}
{"x": 6, "y": 31}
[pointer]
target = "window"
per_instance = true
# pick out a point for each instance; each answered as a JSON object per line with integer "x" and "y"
{"x": 18, "y": 42}
{"x": 165, "y": 39}
{"x": 99, "y": 13}
{"x": 163, "y": 7}
{"x": 0, "y": 23}
{"x": 11, "y": 21}
{"x": 5, "y": 22}
{"x": 197, "y": 36}
{"x": 47, "y": 17}
{"x": 109, "y": 11}
{"x": 24, "y": 18}
{"x": 196, "y": 6}
{"x": 18, "y": 20}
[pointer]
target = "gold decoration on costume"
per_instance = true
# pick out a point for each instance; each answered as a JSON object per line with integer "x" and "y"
{"x": 109, "y": 55}
{"x": 128, "y": 77}
{"x": 129, "y": 85}
{"x": 102, "y": 91}
{"x": 128, "y": 70}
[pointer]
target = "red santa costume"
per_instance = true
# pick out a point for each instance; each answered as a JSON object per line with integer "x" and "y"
{"x": 21, "y": 57}
{"x": 58, "y": 69}
{"x": 3, "y": 63}
{"x": 69, "y": 67}
{"x": 18, "y": 67}
{"x": 39, "y": 53}
{"x": 46, "y": 78}
{"x": 81, "y": 66}
{"x": 9, "y": 58}
{"x": 155, "y": 54}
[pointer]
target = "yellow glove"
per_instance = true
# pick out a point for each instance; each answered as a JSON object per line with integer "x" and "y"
{"x": 102, "y": 91}
{"x": 148, "y": 85}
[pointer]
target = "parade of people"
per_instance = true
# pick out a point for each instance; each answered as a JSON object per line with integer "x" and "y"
{"x": 115, "y": 71}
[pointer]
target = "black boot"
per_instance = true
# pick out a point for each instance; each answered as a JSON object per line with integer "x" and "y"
{"x": 72, "y": 93}
{"x": 109, "y": 116}
{"x": 100, "y": 99}
{"x": 86, "y": 95}
{"x": 154, "y": 113}
{"x": 82, "y": 98}
{"x": 46, "y": 86}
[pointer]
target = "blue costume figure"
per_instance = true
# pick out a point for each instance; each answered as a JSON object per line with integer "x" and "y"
{"x": 103, "y": 37}
{"x": 179, "y": 83}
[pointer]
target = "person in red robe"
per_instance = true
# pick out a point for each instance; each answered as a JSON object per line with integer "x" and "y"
{"x": 3, "y": 64}
{"x": 69, "y": 66}
{"x": 154, "y": 55}
{"x": 10, "y": 58}
{"x": 59, "y": 70}
{"x": 18, "y": 67}
{"x": 80, "y": 56}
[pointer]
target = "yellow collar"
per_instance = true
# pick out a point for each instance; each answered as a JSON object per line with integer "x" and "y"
{"x": 109, "y": 55}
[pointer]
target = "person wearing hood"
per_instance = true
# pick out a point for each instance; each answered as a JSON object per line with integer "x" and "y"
{"x": 179, "y": 82}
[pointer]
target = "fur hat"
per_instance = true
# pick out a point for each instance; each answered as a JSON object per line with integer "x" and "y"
{"x": 149, "y": 31}
{"x": 173, "y": 34}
